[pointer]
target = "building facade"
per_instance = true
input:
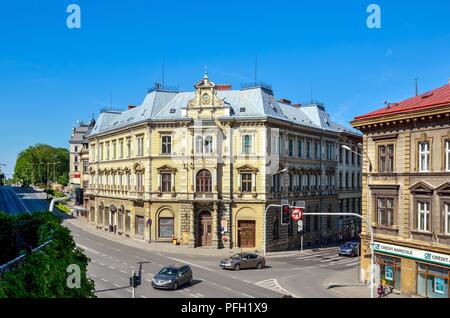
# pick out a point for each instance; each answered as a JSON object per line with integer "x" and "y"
{"x": 79, "y": 155}
{"x": 406, "y": 196}
{"x": 201, "y": 167}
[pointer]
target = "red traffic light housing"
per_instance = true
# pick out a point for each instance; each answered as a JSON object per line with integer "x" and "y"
{"x": 285, "y": 214}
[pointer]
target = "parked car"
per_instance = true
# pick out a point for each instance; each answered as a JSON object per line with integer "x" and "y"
{"x": 172, "y": 277}
{"x": 349, "y": 249}
{"x": 242, "y": 261}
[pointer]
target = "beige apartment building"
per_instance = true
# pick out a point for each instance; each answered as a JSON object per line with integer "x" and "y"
{"x": 201, "y": 167}
{"x": 406, "y": 195}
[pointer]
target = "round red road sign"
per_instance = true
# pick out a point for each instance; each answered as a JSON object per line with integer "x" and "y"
{"x": 296, "y": 214}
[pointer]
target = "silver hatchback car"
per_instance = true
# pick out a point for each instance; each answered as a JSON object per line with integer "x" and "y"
{"x": 243, "y": 261}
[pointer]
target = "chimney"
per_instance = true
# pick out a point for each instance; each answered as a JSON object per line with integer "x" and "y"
{"x": 131, "y": 107}
{"x": 223, "y": 87}
{"x": 297, "y": 105}
{"x": 285, "y": 101}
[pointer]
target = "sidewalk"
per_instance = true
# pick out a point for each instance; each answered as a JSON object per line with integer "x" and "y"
{"x": 345, "y": 284}
{"x": 299, "y": 253}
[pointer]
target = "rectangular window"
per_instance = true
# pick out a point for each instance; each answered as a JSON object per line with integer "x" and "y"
{"x": 317, "y": 150}
{"x": 340, "y": 154}
{"x": 386, "y": 158}
{"x": 166, "y": 145}
{"x": 447, "y": 218}
{"x": 385, "y": 212}
{"x": 140, "y": 225}
{"x": 166, "y": 182}
{"x": 128, "y": 148}
{"x": 308, "y": 149}
{"x": 291, "y": 147}
{"x": 329, "y": 152}
{"x": 423, "y": 216}
{"x": 127, "y": 221}
{"x": 140, "y": 181}
{"x": 424, "y": 156}
{"x": 300, "y": 148}
{"x": 107, "y": 151}
{"x": 246, "y": 144}
{"x": 246, "y": 182}
{"x": 166, "y": 227}
{"x": 140, "y": 146}
{"x": 114, "y": 151}
{"x": 447, "y": 155}
{"x": 121, "y": 149}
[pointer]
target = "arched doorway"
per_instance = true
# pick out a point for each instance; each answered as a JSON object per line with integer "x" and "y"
{"x": 205, "y": 229}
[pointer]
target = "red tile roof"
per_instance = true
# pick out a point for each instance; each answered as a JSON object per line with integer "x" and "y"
{"x": 434, "y": 98}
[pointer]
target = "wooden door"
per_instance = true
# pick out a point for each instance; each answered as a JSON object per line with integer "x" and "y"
{"x": 247, "y": 234}
{"x": 205, "y": 229}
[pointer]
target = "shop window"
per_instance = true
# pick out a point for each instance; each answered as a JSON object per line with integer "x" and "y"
{"x": 127, "y": 221}
{"x": 165, "y": 227}
{"x": 432, "y": 281}
{"x": 140, "y": 225}
{"x": 390, "y": 271}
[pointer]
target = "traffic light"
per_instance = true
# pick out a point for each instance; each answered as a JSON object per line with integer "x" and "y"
{"x": 135, "y": 281}
{"x": 285, "y": 214}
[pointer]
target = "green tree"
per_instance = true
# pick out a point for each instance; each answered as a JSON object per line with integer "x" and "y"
{"x": 43, "y": 274}
{"x": 34, "y": 164}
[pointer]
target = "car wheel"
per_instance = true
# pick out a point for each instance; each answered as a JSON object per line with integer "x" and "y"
{"x": 237, "y": 267}
{"x": 259, "y": 266}
{"x": 175, "y": 286}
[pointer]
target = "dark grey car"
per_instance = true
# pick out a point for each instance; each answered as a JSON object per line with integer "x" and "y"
{"x": 172, "y": 277}
{"x": 243, "y": 261}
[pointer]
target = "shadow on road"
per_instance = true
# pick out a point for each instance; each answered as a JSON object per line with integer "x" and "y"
{"x": 111, "y": 289}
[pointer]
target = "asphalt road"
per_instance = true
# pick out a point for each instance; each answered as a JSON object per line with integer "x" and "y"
{"x": 14, "y": 200}
{"x": 300, "y": 274}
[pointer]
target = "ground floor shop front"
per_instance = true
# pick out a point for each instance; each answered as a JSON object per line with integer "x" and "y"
{"x": 212, "y": 224}
{"x": 410, "y": 271}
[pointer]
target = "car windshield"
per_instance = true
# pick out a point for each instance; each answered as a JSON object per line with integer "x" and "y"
{"x": 237, "y": 256}
{"x": 347, "y": 245}
{"x": 169, "y": 271}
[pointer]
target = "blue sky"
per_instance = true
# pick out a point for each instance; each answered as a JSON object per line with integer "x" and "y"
{"x": 52, "y": 76}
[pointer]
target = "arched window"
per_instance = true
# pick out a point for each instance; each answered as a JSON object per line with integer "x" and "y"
{"x": 204, "y": 181}
{"x": 199, "y": 144}
{"x": 166, "y": 222}
{"x": 208, "y": 144}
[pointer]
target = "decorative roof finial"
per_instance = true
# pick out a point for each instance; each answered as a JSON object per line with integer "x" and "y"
{"x": 206, "y": 73}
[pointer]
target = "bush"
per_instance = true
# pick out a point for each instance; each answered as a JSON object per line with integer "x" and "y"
{"x": 43, "y": 274}
{"x": 63, "y": 208}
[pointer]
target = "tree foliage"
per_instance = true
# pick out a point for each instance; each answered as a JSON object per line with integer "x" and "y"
{"x": 43, "y": 274}
{"x": 32, "y": 165}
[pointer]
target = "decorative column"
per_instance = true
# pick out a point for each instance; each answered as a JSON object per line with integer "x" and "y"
{"x": 215, "y": 236}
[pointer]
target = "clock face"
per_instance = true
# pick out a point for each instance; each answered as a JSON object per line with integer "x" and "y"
{"x": 205, "y": 97}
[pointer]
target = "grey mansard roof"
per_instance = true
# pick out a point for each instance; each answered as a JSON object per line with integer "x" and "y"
{"x": 256, "y": 102}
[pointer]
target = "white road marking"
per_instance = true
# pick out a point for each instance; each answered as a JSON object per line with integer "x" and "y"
{"x": 273, "y": 284}
{"x": 93, "y": 275}
{"x": 200, "y": 295}
{"x": 193, "y": 295}
{"x": 101, "y": 264}
{"x": 246, "y": 281}
{"x": 246, "y": 295}
{"x": 116, "y": 285}
{"x": 110, "y": 267}
{"x": 192, "y": 264}
{"x": 227, "y": 288}
{"x": 125, "y": 264}
{"x": 123, "y": 271}
{"x": 128, "y": 290}
{"x": 88, "y": 249}
{"x": 105, "y": 280}
{"x": 142, "y": 296}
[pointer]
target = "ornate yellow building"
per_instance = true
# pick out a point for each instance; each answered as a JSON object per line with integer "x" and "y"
{"x": 201, "y": 167}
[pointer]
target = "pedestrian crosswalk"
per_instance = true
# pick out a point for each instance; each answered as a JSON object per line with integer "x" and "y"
{"x": 328, "y": 258}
